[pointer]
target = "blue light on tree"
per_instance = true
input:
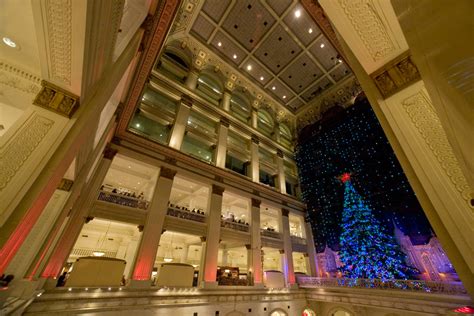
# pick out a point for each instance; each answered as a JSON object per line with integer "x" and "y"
{"x": 366, "y": 250}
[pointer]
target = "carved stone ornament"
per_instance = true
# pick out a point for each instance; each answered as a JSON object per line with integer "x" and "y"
{"x": 167, "y": 173}
{"x": 187, "y": 100}
{"x": 65, "y": 185}
{"x": 255, "y": 139}
{"x": 109, "y": 153}
{"x": 279, "y": 153}
{"x": 140, "y": 228}
{"x": 217, "y": 189}
{"x": 396, "y": 75}
{"x": 248, "y": 246}
{"x": 285, "y": 212}
{"x": 88, "y": 219}
{"x": 56, "y": 99}
{"x": 203, "y": 238}
{"x": 225, "y": 121}
{"x": 281, "y": 251}
{"x": 256, "y": 203}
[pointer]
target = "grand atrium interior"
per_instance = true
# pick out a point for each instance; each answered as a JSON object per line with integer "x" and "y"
{"x": 156, "y": 156}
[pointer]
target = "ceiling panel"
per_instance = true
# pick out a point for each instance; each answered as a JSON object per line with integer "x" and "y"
{"x": 228, "y": 48}
{"x": 215, "y": 9}
{"x": 257, "y": 72}
{"x": 203, "y": 28}
{"x": 340, "y": 72}
{"x": 301, "y": 73}
{"x": 279, "y": 6}
{"x": 303, "y": 27}
{"x": 278, "y": 90}
{"x": 277, "y": 50}
{"x": 325, "y": 53}
{"x": 316, "y": 89}
{"x": 250, "y": 30}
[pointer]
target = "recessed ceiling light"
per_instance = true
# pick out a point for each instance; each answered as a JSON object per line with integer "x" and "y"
{"x": 261, "y": 78}
{"x": 273, "y": 88}
{"x": 8, "y": 41}
{"x": 235, "y": 56}
{"x": 339, "y": 60}
{"x": 219, "y": 44}
{"x": 298, "y": 13}
{"x": 249, "y": 67}
{"x": 129, "y": 167}
{"x": 322, "y": 45}
{"x": 310, "y": 30}
{"x": 284, "y": 97}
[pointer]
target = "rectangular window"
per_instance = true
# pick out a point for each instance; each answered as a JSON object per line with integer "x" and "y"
{"x": 151, "y": 129}
{"x": 197, "y": 148}
{"x": 236, "y": 165}
{"x": 267, "y": 178}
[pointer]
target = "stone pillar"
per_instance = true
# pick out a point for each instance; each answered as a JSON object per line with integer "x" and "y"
{"x": 184, "y": 258}
{"x": 287, "y": 260}
{"x": 130, "y": 256}
{"x": 276, "y": 132}
{"x": 212, "y": 237}
{"x": 180, "y": 123}
{"x": 202, "y": 261}
{"x": 192, "y": 80}
{"x": 254, "y": 118}
{"x": 153, "y": 227}
{"x": 255, "y": 253}
{"x": 221, "y": 150}
{"x": 225, "y": 101}
{"x": 225, "y": 254}
{"x": 79, "y": 215}
{"x": 254, "y": 162}
{"x": 311, "y": 252}
{"x": 281, "y": 179}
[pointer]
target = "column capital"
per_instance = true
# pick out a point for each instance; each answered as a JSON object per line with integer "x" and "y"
{"x": 225, "y": 121}
{"x": 109, "y": 153}
{"x": 255, "y": 139}
{"x": 203, "y": 238}
{"x": 167, "y": 173}
{"x": 216, "y": 189}
{"x": 55, "y": 99}
{"x": 256, "y": 203}
{"x": 281, "y": 251}
{"x": 279, "y": 153}
{"x": 285, "y": 212}
{"x": 227, "y": 90}
{"x": 88, "y": 219}
{"x": 186, "y": 100}
{"x": 140, "y": 228}
{"x": 306, "y": 255}
{"x": 248, "y": 246}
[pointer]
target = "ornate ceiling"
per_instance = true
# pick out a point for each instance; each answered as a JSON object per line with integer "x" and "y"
{"x": 274, "y": 45}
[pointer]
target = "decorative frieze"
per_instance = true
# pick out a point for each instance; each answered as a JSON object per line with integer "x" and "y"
{"x": 65, "y": 185}
{"x": 56, "y": 99}
{"x": 19, "y": 79}
{"x": 396, "y": 75}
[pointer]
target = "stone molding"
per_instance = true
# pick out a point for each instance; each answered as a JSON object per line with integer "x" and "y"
{"x": 216, "y": 189}
{"x": 256, "y": 203}
{"x": 424, "y": 118}
{"x": 59, "y": 27}
{"x": 17, "y": 78}
{"x": 65, "y": 185}
{"x": 20, "y": 147}
{"x": 56, "y": 100}
{"x": 396, "y": 75}
{"x": 167, "y": 173}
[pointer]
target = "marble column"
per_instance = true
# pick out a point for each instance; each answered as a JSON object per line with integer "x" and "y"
{"x": 79, "y": 215}
{"x": 184, "y": 258}
{"x": 281, "y": 178}
{"x": 221, "y": 150}
{"x": 225, "y": 101}
{"x": 202, "y": 261}
{"x": 287, "y": 259}
{"x": 192, "y": 79}
{"x": 256, "y": 243}
{"x": 225, "y": 254}
{"x": 180, "y": 123}
{"x": 276, "y": 132}
{"x": 130, "y": 255}
{"x": 151, "y": 235}
{"x": 212, "y": 236}
{"x": 254, "y": 162}
{"x": 311, "y": 252}
{"x": 254, "y": 118}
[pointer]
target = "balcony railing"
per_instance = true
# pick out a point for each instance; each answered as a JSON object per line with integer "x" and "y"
{"x": 123, "y": 200}
{"x": 298, "y": 240}
{"x": 270, "y": 233}
{"x": 186, "y": 214}
{"x": 452, "y": 288}
{"x": 234, "y": 225}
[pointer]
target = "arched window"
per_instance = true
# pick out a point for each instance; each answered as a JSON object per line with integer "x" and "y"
{"x": 265, "y": 122}
{"x": 278, "y": 312}
{"x": 175, "y": 62}
{"x": 285, "y": 131}
{"x": 210, "y": 86}
{"x": 308, "y": 312}
{"x": 240, "y": 106}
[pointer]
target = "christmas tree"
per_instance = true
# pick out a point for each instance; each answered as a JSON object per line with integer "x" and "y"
{"x": 366, "y": 250}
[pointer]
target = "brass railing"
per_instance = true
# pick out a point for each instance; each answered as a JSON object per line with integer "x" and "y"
{"x": 270, "y": 233}
{"x": 185, "y": 214}
{"x": 298, "y": 240}
{"x": 123, "y": 200}
{"x": 452, "y": 288}
{"x": 234, "y": 225}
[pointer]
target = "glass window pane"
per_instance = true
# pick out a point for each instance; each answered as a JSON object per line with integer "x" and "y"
{"x": 149, "y": 128}
{"x": 197, "y": 149}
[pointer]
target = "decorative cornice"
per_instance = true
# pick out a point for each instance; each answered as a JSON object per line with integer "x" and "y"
{"x": 167, "y": 173}
{"x": 19, "y": 148}
{"x": 216, "y": 189}
{"x": 421, "y": 112}
{"x": 14, "y": 77}
{"x": 162, "y": 20}
{"x": 65, "y": 185}
{"x": 396, "y": 75}
{"x": 56, "y": 99}
{"x": 59, "y": 28}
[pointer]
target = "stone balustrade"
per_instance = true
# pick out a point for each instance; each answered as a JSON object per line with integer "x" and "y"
{"x": 123, "y": 200}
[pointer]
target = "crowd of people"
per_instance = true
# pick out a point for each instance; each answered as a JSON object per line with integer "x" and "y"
{"x": 123, "y": 197}
{"x": 122, "y": 191}
{"x": 183, "y": 212}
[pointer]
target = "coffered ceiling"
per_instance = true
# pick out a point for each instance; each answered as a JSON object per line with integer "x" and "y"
{"x": 275, "y": 44}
